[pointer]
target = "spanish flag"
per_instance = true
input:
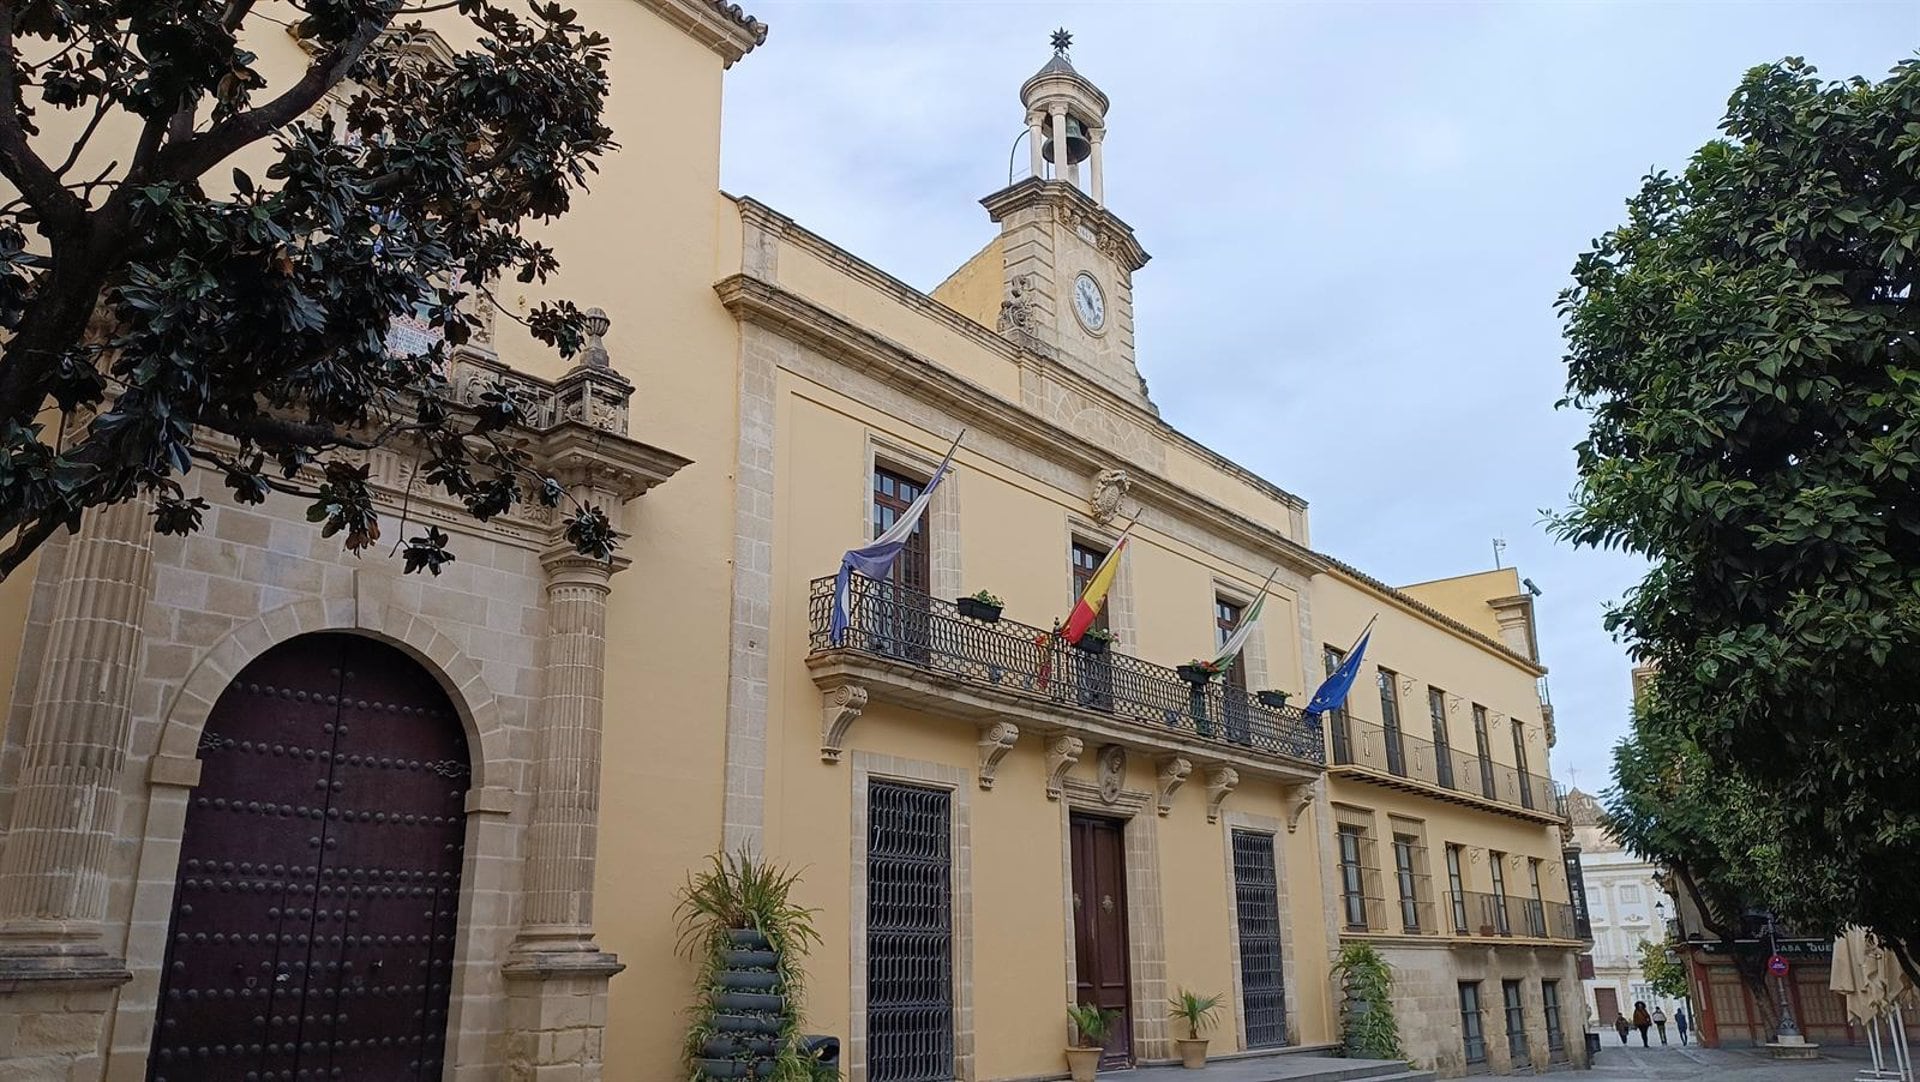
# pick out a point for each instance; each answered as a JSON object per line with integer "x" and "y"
{"x": 1087, "y": 609}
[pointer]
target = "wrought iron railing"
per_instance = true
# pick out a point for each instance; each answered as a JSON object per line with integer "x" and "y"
{"x": 892, "y": 622}
{"x": 1508, "y": 915}
{"x": 1403, "y": 755}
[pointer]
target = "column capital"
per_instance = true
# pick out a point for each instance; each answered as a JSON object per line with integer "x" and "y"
{"x": 566, "y": 565}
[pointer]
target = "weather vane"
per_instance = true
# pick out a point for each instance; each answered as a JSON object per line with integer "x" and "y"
{"x": 1062, "y": 41}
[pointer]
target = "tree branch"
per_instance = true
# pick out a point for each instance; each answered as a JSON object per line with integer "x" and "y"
{"x": 58, "y": 208}
{"x": 190, "y": 159}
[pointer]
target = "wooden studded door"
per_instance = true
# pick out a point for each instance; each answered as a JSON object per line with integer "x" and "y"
{"x": 313, "y": 924}
{"x": 1100, "y": 927}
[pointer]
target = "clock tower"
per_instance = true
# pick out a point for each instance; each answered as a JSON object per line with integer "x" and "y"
{"x": 1068, "y": 261}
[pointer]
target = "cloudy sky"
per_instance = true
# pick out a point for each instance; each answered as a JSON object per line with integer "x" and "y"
{"x": 1359, "y": 216}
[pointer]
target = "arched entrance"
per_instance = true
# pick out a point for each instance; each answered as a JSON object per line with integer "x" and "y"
{"x": 319, "y": 883}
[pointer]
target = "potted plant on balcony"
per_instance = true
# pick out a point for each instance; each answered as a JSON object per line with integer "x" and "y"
{"x": 1092, "y": 1026}
{"x": 1197, "y": 1012}
{"x": 1096, "y": 640}
{"x": 1198, "y": 672}
{"x": 1275, "y": 699}
{"x": 982, "y": 606}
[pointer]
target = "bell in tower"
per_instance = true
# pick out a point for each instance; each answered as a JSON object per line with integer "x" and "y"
{"x": 1066, "y": 120}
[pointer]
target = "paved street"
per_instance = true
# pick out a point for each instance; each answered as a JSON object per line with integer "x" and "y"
{"x": 1673, "y": 1063}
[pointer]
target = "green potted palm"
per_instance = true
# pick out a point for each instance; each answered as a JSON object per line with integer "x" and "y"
{"x": 1197, "y": 1012}
{"x": 982, "y": 606}
{"x": 1092, "y": 1028}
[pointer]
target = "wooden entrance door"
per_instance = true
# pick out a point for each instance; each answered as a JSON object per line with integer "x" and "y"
{"x": 1100, "y": 926}
{"x": 1606, "y": 1005}
{"x": 313, "y": 923}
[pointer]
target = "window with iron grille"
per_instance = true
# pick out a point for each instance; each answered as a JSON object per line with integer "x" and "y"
{"x": 1409, "y": 857}
{"x": 909, "y": 933}
{"x": 1442, "y": 746}
{"x": 1550, "y": 1006}
{"x": 1353, "y": 876}
{"x": 1471, "y": 1032}
{"x": 1257, "y": 900}
{"x": 1457, "y": 889}
{"x": 1516, "y": 1023}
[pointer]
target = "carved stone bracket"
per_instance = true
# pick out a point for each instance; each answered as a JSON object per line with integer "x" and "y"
{"x": 1299, "y": 798}
{"x": 996, "y": 741}
{"x": 1062, "y": 752}
{"x": 1221, "y": 780}
{"x": 838, "y": 707}
{"x": 1173, "y": 774}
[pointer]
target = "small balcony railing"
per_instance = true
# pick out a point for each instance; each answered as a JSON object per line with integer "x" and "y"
{"x": 892, "y": 622}
{"x": 1474, "y": 913}
{"x": 1400, "y": 754}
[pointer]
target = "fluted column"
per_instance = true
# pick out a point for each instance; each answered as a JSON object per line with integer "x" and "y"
{"x": 563, "y": 834}
{"x": 66, "y": 809}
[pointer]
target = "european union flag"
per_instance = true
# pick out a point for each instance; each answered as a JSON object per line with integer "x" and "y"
{"x": 1334, "y": 691}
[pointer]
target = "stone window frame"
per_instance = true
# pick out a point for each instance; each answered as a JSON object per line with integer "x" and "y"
{"x": 1275, "y": 830}
{"x": 476, "y": 1017}
{"x": 886, "y": 451}
{"x": 866, "y": 766}
{"x": 1121, "y": 619}
{"x": 1254, "y": 654}
{"x": 1146, "y": 913}
{"x": 1416, "y": 827}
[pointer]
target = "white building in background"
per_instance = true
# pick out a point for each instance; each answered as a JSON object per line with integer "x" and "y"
{"x": 1627, "y": 908}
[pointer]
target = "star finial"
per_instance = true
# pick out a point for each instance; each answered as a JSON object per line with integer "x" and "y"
{"x": 1062, "y": 41}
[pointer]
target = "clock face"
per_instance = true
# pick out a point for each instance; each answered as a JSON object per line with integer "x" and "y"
{"x": 1088, "y": 304}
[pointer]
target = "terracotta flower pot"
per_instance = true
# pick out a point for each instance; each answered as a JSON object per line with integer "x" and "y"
{"x": 1193, "y": 1053}
{"x": 1083, "y": 1062}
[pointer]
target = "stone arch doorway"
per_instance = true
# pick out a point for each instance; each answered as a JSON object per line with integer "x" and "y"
{"x": 313, "y": 925}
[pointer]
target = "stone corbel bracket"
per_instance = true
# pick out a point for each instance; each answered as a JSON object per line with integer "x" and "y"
{"x": 1062, "y": 752}
{"x": 839, "y": 706}
{"x": 1299, "y": 798}
{"x": 1221, "y": 780}
{"x": 996, "y": 741}
{"x": 1173, "y": 774}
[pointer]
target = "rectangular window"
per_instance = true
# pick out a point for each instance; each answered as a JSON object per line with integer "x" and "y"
{"x": 1516, "y": 1023}
{"x": 1407, "y": 857}
{"x": 1390, "y": 721}
{"x": 893, "y": 494}
{"x": 1091, "y": 674}
{"x": 1442, "y": 746}
{"x": 1483, "y": 751}
{"x": 1629, "y": 894}
{"x": 1536, "y": 906}
{"x": 1520, "y": 763}
{"x": 1086, "y": 561}
{"x": 1353, "y": 875}
{"x": 900, "y": 619}
{"x": 1474, "y": 1037}
{"x": 1257, "y": 904}
{"x": 909, "y": 933}
{"x": 1496, "y": 861}
{"x": 1456, "y": 890}
{"x": 1226, "y": 621}
{"x": 1337, "y": 724}
{"x": 1550, "y": 1006}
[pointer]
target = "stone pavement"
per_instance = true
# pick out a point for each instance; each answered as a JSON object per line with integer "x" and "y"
{"x": 1282, "y": 1068}
{"x": 1676, "y": 1063}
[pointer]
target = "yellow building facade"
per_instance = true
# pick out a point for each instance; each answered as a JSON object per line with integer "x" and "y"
{"x": 990, "y": 824}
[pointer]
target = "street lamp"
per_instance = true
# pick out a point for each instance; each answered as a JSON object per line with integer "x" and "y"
{"x": 1789, "y": 1029}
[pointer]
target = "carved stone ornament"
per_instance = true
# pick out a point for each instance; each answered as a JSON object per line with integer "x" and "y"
{"x": 1110, "y": 487}
{"x": 1221, "y": 780}
{"x": 1016, "y": 312}
{"x": 996, "y": 741}
{"x": 1299, "y": 798}
{"x": 1113, "y": 772}
{"x": 1173, "y": 774}
{"x": 1062, "y": 752}
{"x": 838, "y": 708}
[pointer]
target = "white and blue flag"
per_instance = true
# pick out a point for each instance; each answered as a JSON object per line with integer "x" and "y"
{"x": 875, "y": 559}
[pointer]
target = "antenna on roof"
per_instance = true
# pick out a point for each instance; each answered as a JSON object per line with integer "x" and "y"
{"x": 1499, "y": 546}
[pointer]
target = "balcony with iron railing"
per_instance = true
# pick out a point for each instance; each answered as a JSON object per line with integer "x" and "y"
{"x": 1400, "y": 760}
{"x": 1470, "y": 914}
{"x": 909, "y": 648}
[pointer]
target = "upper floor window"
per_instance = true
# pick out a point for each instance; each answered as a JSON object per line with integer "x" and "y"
{"x": 1333, "y": 657}
{"x": 1442, "y": 746}
{"x": 1086, "y": 561}
{"x": 1226, "y": 620}
{"x": 1483, "y": 751}
{"x": 1629, "y": 893}
{"x": 893, "y": 494}
{"x": 1389, "y": 682}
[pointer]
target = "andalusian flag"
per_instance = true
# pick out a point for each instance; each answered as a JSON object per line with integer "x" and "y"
{"x": 1087, "y": 609}
{"x": 1238, "y": 642}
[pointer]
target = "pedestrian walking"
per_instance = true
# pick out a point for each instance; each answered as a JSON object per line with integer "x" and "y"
{"x": 1620, "y": 1026}
{"x": 1680, "y": 1023}
{"x": 1660, "y": 1023}
{"x": 1642, "y": 1021}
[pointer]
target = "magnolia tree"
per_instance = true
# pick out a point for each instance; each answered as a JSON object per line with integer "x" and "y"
{"x": 162, "y": 310}
{"x": 1747, "y": 347}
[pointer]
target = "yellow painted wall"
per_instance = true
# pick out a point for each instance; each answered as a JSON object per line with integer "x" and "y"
{"x": 1465, "y": 597}
{"x": 977, "y": 288}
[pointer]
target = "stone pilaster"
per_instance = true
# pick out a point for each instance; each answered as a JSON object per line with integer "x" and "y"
{"x": 558, "y": 974}
{"x": 53, "y": 871}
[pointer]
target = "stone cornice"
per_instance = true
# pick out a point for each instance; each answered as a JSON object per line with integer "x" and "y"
{"x": 1074, "y": 207}
{"x": 792, "y": 315}
{"x": 790, "y": 232}
{"x": 1353, "y": 576}
{"x": 717, "y": 24}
